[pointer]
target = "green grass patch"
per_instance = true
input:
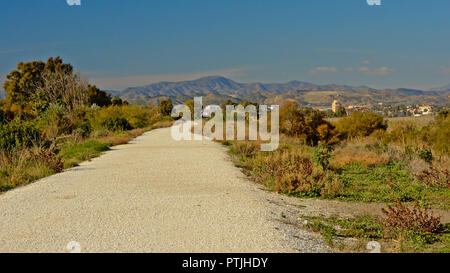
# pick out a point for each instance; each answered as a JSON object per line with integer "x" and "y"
{"x": 384, "y": 183}
{"x": 388, "y": 183}
{"x": 73, "y": 154}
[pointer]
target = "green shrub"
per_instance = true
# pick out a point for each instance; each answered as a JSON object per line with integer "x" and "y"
{"x": 2, "y": 117}
{"x": 136, "y": 116}
{"x": 18, "y": 134}
{"x": 84, "y": 128}
{"x": 322, "y": 155}
{"x": 361, "y": 124}
{"x": 116, "y": 124}
{"x": 165, "y": 107}
{"x": 53, "y": 122}
{"x": 426, "y": 155}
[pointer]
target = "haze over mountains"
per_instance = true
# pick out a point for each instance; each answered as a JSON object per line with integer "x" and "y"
{"x": 217, "y": 90}
{"x": 445, "y": 88}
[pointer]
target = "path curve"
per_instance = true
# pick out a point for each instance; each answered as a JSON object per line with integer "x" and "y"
{"x": 151, "y": 195}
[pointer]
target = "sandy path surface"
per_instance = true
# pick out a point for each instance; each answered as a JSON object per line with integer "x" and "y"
{"x": 152, "y": 195}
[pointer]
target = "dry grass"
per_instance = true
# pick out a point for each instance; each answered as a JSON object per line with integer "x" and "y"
{"x": 121, "y": 138}
{"x": 20, "y": 167}
{"x": 360, "y": 151}
{"x": 289, "y": 171}
{"x": 162, "y": 124}
{"x": 418, "y": 122}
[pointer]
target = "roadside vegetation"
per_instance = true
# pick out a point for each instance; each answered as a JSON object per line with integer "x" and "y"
{"x": 402, "y": 229}
{"x": 360, "y": 158}
{"x": 52, "y": 119}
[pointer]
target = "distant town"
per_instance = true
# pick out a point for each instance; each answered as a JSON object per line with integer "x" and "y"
{"x": 338, "y": 109}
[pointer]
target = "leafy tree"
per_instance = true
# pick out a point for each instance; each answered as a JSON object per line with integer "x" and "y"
{"x": 21, "y": 84}
{"x": 307, "y": 124}
{"x": 62, "y": 88}
{"x": 165, "y": 107}
{"x": 98, "y": 97}
{"x": 117, "y": 101}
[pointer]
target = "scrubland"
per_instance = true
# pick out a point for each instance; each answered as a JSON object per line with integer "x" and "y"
{"x": 362, "y": 158}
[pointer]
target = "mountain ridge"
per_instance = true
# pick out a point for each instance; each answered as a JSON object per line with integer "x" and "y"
{"x": 445, "y": 88}
{"x": 218, "y": 89}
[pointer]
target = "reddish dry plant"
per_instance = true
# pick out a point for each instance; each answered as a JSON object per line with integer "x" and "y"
{"x": 48, "y": 159}
{"x": 435, "y": 177}
{"x": 400, "y": 217}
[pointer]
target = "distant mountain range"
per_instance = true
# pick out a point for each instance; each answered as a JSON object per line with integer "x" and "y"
{"x": 445, "y": 88}
{"x": 217, "y": 90}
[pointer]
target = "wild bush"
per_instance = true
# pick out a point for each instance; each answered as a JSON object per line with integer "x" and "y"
{"x": 85, "y": 128}
{"x": 412, "y": 222}
{"x": 47, "y": 158}
{"x": 20, "y": 166}
{"x": 98, "y": 97}
{"x": 245, "y": 148}
{"x": 435, "y": 177}
{"x": 361, "y": 124}
{"x": 18, "y": 134}
{"x": 116, "y": 124}
{"x": 53, "y": 122}
{"x": 165, "y": 107}
{"x": 136, "y": 116}
{"x": 322, "y": 155}
{"x": 294, "y": 173}
{"x": 424, "y": 139}
{"x": 306, "y": 124}
{"x": 426, "y": 155}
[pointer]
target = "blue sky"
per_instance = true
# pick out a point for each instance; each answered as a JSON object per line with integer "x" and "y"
{"x": 116, "y": 43}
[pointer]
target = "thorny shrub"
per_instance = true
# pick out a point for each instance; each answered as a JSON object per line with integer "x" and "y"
{"x": 435, "y": 177}
{"x": 417, "y": 219}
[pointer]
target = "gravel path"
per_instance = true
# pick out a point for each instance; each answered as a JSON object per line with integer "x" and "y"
{"x": 152, "y": 195}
